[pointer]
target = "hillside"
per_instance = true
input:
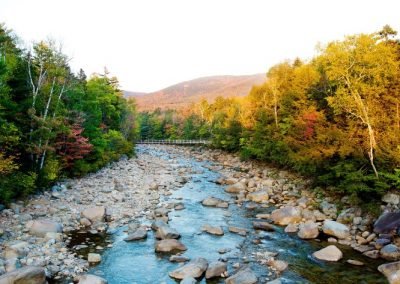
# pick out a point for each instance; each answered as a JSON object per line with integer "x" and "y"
{"x": 185, "y": 93}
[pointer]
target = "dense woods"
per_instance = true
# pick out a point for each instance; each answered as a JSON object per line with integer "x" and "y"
{"x": 54, "y": 123}
{"x": 335, "y": 117}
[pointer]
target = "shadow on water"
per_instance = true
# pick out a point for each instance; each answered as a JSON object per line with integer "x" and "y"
{"x": 136, "y": 262}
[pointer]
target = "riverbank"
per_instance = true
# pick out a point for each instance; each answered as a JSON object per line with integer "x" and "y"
{"x": 130, "y": 191}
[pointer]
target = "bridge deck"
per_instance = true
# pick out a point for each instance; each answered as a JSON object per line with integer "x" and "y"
{"x": 175, "y": 142}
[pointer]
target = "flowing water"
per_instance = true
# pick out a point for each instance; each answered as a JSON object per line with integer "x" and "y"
{"x": 136, "y": 262}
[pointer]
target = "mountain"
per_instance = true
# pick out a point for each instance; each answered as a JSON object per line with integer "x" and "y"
{"x": 185, "y": 93}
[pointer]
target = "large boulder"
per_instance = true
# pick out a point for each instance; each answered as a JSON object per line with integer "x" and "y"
{"x": 391, "y": 271}
{"x": 391, "y": 198}
{"x": 235, "y": 188}
{"x": 139, "y": 234}
{"x": 194, "y": 268}
{"x": 330, "y": 253}
{"x": 91, "y": 279}
{"x": 258, "y": 196}
{"x": 166, "y": 232}
{"x": 390, "y": 252}
{"x": 335, "y": 229}
{"x": 387, "y": 222}
{"x": 40, "y": 228}
{"x": 94, "y": 214}
{"x": 169, "y": 245}
{"x": 216, "y": 269}
{"x": 243, "y": 276}
{"x": 308, "y": 230}
{"x": 286, "y": 215}
{"x": 25, "y": 275}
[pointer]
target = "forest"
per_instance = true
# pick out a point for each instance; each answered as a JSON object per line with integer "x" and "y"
{"x": 335, "y": 117}
{"x": 55, "y": 124}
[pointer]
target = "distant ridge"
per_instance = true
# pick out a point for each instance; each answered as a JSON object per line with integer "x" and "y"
{"x": 185, "y": 93}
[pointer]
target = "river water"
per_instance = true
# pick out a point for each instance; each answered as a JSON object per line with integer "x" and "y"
{"x": 136, "y": 262}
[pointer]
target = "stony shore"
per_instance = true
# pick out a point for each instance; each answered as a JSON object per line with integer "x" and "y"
{"x": 35, "y": 234}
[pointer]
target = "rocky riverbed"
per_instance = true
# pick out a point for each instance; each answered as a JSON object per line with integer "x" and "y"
{"x": 219, "y": 217}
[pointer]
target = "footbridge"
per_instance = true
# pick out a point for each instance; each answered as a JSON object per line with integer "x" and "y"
{"x": 175, "y": 142}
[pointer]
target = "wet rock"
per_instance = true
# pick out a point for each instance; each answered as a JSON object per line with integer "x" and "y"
{"x": 94, "y": 214}
{"x": 195, "y": 268}
{"x": 178, "y": 258}
{"x": 387, "y": 222}
{"x": 216, "y": 269}
{"x": 41, "y": 227}
{"x": 25, "y": 275}
{"x": 169, "y": 245}
{"x": 336, "y": 229}
{"x": 278, "y": 265}
{"x": 330, "y": 253}
{"x": 243, "y": 276}
{"x": 139, "y": 234}
{"x": 258, "y": 196}
{"x": 308, "y": 230}
{"x": 390, "y": 252}
{"x": 355, "y": 262}
{"x": 91, "y": 279}
{"x": 291, "y": 228}
{"x": 391, "y": 198}
{"x": 237, "y": 230}
{"x": 235, "y": 188}
{"x": 166, "y": 232}
{"x": 157, "y": 224}
{"x": 213, "y": 230}
{"x": 94, "y": 258}
{"x": 263, "y": 226}
{"x": 391, "y": 271}
{"x": 286, "y": 215}
{"x": 211, "y": 201}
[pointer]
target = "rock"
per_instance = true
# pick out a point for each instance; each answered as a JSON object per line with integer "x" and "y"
{"x": 258, "y": 196}
{"x": 213, "y": 230}
{"x": 263, "y": 226}
{"x": 391, "y": 271}
{"x": 188, "y": 280}
{"x": 243, "y": 276}
{"x": 286, "y": 215}
{"x": 291, "y": 228}
{"x": 211, "y": 201}
{"x": 157, "y": 224}
{"x": 139, "y": 234}
{"x": 330, "y": 253}
{"x": 94, "y": 258}
{"x": 41, "y": 227}
{"x": 85, "y": 222}
{"x": 329, "y": 209}
{"x": 94, "y": 214}
{"x": 25, "y": 275}
{"x": 91, "y": 279}
{"x": 387, "y": 222}
{"x": 178, "y": 258}
{"x": 153, "y": 186}
{"x": 160, "y": 212}
{"x": 236, "y": 230}
{"x": 278, "y": 265}
{"x": 391, "y": 198}
{"x": 169, "y": 245}
{"x": 308, "y": 230}
{"x": 216, "y": 269}
{"x": 336, "y": 229}
{"x": 53, "y": 236}
{"x": 195, "y": 268}
{"x": 166, "y": 232}
{"x": 235, "y": 188}
{"x": 390, "y": 252}
{"x": 355, "y": 262}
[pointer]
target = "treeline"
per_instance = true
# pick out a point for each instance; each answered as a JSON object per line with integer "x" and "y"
{"x": 54, "y": 123}
{"x": 335, "y": 118}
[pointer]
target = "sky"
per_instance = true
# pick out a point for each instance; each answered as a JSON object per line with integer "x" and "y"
{"x": 151, "y": 44}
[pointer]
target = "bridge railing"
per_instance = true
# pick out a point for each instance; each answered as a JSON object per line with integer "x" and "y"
{"x": 174, "y": 142}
